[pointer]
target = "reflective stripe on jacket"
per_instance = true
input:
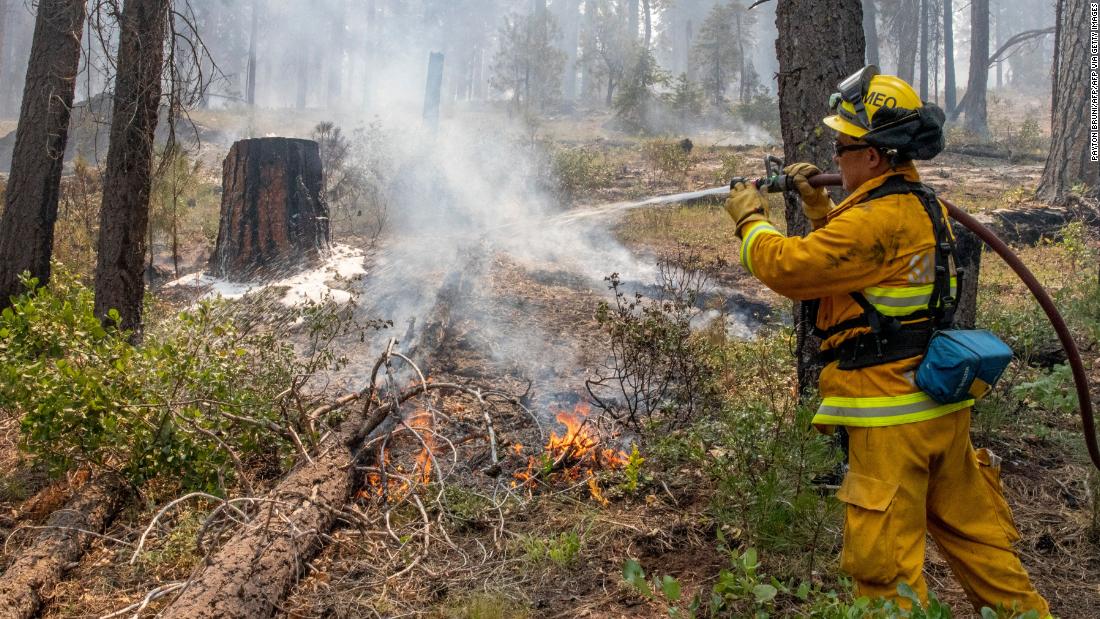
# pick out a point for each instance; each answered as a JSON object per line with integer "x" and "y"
{"x": 883, "y": 248}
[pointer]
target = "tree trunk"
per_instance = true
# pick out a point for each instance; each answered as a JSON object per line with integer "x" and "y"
{"x": 948, "y": 60}
{"x": 632, "y": 20}
{"x": 907, "y": 33}
{"x": 250, "y": 574}
{"x": 302, "y": 94}
{"x": 741, "y": 95}
{"x": 273, "y": 214}
{"x": 998, "y": 33}
{"x": 1069, "y": 161}
{"x": 336, "y": 61}
{"x": 975, "y": 110}
{"x": 870, "y": 31}
{"x": 924, "y": 50}
{"x": 67, "y": 535}
{"x": 33, "y": 190}
{"x": 124, "y": 214}
{"x": 968, "y": 248}
{"x": 648, "y": 13}
{"x": 250, "y": 85}
{"x": 589, "y": 87}
{"x": 814, "y": 55}
{"x": 569, "y": 18}
{"x": 3, "y": 42}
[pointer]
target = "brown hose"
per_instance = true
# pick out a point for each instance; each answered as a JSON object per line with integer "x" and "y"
{"x": 1006, "y": 254}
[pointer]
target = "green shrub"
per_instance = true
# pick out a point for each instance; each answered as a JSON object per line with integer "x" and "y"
{"x": 667, "y": 160}
{"x": 578, "y": 172}
{"x": 203, "y": 395}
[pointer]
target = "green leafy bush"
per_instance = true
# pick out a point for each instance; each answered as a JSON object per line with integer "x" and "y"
{"x": 206, "y": 394}
{"x": 667, "y": 160}
{"x": 578, "y": 172}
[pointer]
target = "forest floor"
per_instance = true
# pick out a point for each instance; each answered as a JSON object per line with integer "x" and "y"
{"x": 559, "y": 550}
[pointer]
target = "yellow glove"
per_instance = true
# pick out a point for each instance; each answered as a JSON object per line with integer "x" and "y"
{"x": 746, "y": 204}
{"x": 815, "y": 202}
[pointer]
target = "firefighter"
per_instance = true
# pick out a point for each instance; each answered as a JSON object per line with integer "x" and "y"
{"x": 869, "y": 271}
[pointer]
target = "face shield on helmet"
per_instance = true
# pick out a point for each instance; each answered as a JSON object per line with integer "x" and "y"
{"x": 852, "y": 90}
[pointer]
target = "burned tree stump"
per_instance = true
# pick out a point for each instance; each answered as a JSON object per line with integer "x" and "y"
{"x": 274, "y": 218}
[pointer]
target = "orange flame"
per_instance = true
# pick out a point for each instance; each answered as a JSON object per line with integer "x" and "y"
{"x": 575, "y": 454}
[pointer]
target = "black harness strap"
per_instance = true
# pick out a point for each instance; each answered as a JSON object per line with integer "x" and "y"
{"x": 889, "y": 340}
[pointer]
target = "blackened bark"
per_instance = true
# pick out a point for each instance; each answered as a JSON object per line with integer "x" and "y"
{"x": 948, "y": 59}
{"x": 26, "y": 229}
{"x": 968, "y": 248}
{"x": 814, "y": 55}
{"x": 1068, "y": 161}
{"x": 975, "y": 108}
{"x": 273, "y": 216}
{"x": 124, "y": 214}
{"x": 870, "y": 31}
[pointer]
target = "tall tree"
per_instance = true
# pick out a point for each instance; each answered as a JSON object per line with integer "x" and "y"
{"x": 250, "y": 80}
{"x": 906, "y": 34}
{"x": 124, "y": 213}
{"x": 870, "y": 31}
{"x": 923, "y": 49}
{"x": 974, "y": 105}
{"x": 1068, "y": 162}
{"x": 3, "y": 35}
{"x": 336, "y": 60}
{"x": 715, "y": 54}
{"x": 26, "y": 229}
{"x": 569, "y": 17}
{"x": 948, "y": 58}
{"x": 814, "y": 55}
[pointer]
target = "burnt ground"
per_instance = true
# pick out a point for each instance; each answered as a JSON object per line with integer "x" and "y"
{"x": 491, "y": 566}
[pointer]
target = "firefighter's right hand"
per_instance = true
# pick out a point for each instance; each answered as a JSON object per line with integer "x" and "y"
{"x": 815, "y": 201}
{"x": 746, "y": 204}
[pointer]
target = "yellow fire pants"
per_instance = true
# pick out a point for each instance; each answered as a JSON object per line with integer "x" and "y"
{"x": 907, "y": 479}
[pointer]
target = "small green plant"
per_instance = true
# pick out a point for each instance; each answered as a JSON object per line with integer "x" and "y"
{"x": 560, "y": 550}
{"x": 1052, "y": 391}
{"x": 482, "y": 605}
{"x": 633, "y": 470}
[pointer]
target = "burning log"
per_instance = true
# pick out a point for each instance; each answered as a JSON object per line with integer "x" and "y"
{"x": 273, "y": 214}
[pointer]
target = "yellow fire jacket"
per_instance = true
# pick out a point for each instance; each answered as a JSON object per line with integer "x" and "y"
{"x": 883, "y": 248}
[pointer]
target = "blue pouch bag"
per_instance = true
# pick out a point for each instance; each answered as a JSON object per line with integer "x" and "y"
{"x": 961, "y": 364}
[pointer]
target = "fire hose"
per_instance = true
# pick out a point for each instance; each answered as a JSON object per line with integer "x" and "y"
{"x": 775, "y": 181}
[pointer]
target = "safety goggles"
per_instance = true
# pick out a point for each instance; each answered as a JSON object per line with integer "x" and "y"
{"x": 839, "y": 149}
{"x": 852, "y": 90}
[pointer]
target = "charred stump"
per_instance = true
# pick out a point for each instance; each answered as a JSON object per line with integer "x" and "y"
{"x": 274, "y": 217}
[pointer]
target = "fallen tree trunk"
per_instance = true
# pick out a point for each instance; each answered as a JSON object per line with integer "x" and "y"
{"x": 993, "y": 151}
{"x": 62, "y": 543}
{"x": 1029, "y": 226}
{"x": 251, "y": 573}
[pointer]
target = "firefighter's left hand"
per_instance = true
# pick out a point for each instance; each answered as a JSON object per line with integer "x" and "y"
{"x": 746, "y": 204}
